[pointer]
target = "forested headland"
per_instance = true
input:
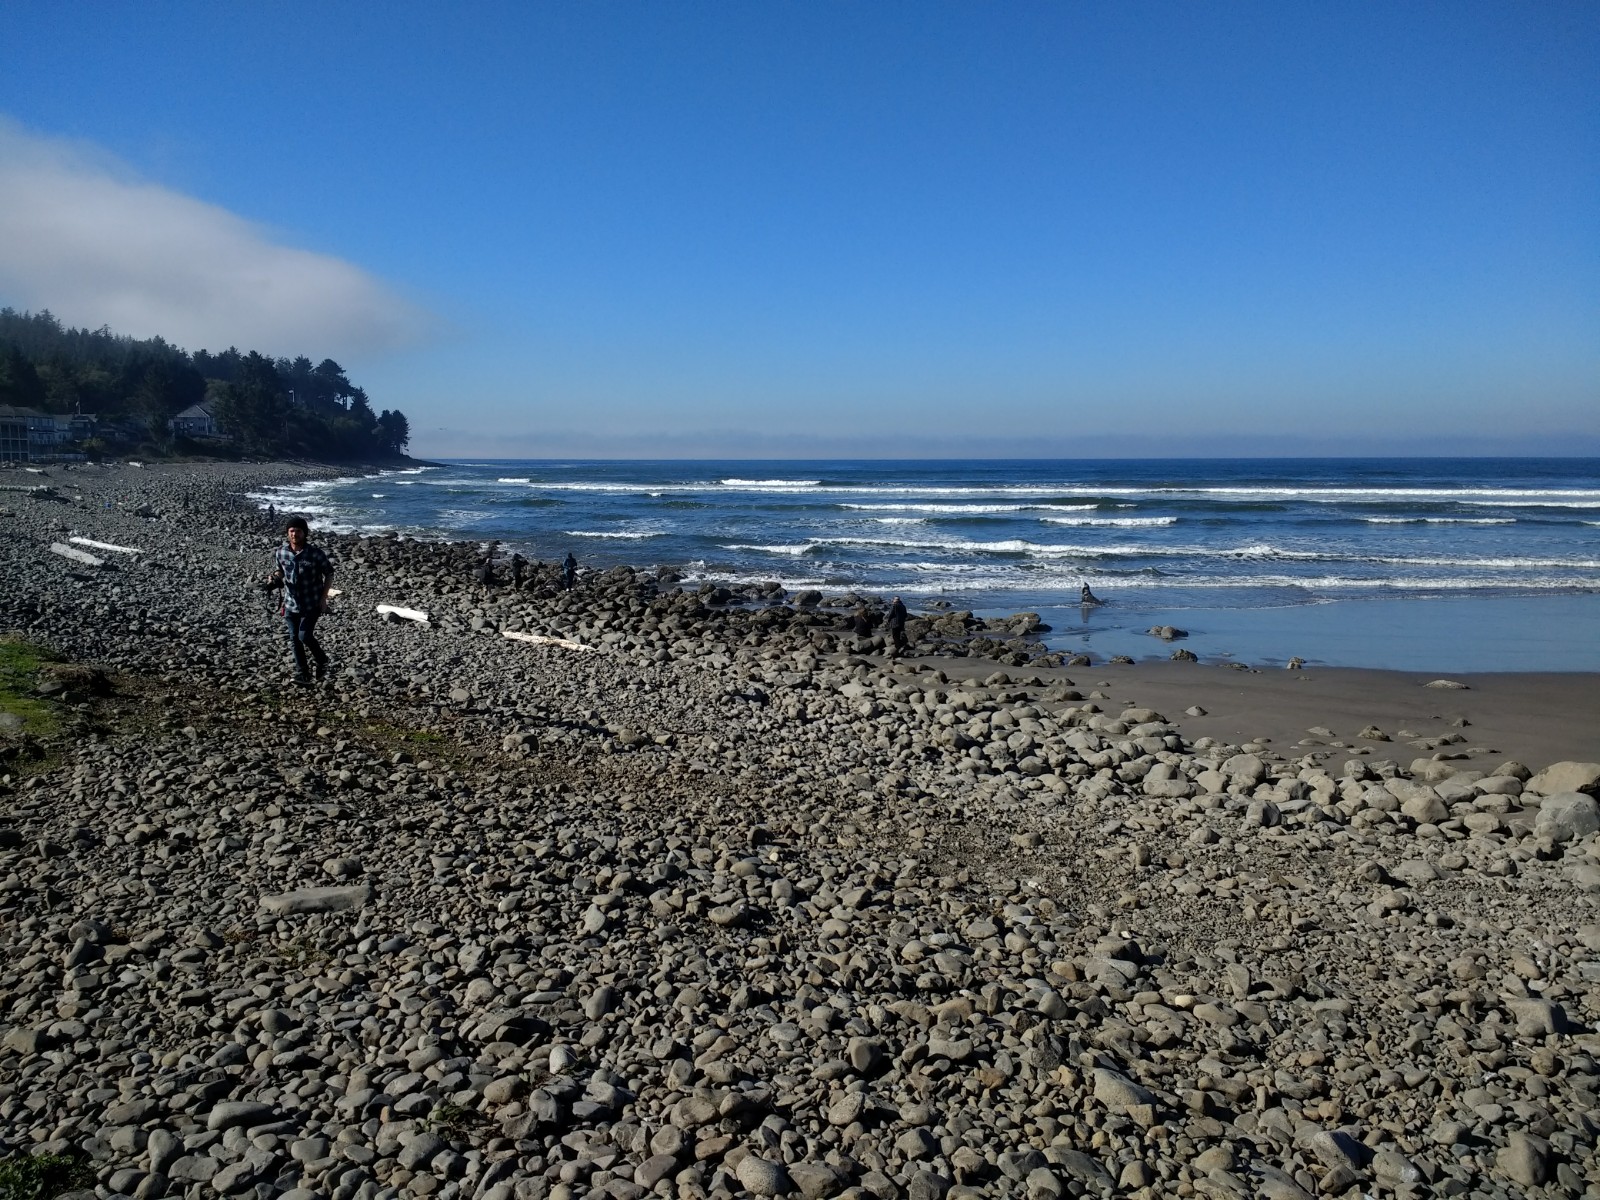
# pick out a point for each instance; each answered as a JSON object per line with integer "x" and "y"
{"x": 261, "y": 406}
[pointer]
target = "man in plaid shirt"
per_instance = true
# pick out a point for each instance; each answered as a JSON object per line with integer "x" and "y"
{"x": 305, "y": 574}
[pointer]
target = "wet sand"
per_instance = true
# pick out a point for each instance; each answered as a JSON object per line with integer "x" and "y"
{"x": 1532, "y": 718}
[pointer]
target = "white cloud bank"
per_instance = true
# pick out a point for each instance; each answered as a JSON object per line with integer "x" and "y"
{"x": 81, "y": 237}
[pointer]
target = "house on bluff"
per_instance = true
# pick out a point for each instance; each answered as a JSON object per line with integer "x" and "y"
{"x": 27, "y": 435}
{"x": 196, "y": 421}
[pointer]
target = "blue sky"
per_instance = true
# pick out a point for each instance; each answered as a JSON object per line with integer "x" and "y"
{"x": 826, "y": 228}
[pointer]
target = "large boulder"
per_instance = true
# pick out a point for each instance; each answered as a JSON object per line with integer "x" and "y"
{"x": 1567, "y": 816}
{"x": 1566, "y": 777}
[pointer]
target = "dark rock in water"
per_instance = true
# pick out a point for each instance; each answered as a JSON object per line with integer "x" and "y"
{"x": 1181, "y": 655}
{"x": 1168, "y": 633}
{"x": 1023, "y": 622}
{"x": 809, "y": 598}
{"x": 1121, "y": 660}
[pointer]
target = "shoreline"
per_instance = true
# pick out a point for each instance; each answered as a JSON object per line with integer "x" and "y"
{"x": 1486, "y": 627}
{"x": 727, "y": 905}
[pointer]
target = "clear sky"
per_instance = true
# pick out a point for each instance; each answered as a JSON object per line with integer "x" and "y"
{"x": 865, "y": 229}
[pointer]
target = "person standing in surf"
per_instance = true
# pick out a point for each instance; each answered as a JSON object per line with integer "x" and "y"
{"x": 305, "y": 574}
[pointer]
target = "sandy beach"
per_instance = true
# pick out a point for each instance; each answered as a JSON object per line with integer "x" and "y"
{"x": 726, "y": 902}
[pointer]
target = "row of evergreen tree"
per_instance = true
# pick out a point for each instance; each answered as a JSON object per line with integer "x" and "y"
{"x": 278, "y": 407}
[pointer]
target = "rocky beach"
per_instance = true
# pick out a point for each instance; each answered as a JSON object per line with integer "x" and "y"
{"x": 699, "y": 894}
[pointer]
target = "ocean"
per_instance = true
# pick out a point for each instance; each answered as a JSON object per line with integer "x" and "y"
{"x": 1419, "y": 564}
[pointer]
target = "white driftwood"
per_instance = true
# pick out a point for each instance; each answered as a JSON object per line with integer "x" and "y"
{"x": 83, "y": 541}
{"x": 409, "y": 614}
{"x": 82, "y": 556}
{"x": 538, "y": 639}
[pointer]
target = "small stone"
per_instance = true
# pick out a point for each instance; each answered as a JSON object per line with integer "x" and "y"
{"x": 846, "y": 1108}
{"x": 1394, "y": 1168}
{"x": 1117, "y": 1092}
{"x": 1537, "y": 1018}
{"x": 242, "y": 1114}
{"x": 763, "y": 1177}
{"x": 1525, "y": 1160}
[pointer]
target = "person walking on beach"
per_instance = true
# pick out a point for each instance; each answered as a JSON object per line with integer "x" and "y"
{"x": 895, "y": 623}
{"x": 305, "y": 574}
{"x": 569, "y": 572}
{"x": 861, "y": 624}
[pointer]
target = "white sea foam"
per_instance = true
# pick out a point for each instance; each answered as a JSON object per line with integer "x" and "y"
{"x": 962, "y": 510}
{"x": 899, "y": 520}
{"x": 625, "y": 534}
{"x": 314, "y": 510}
{"x": 1124, "y": 522}
{"x": 1594, "y": 503}
{"x": 626, "y": 489}
{"x": 935, "y": 577}
{"x": 514, "y": 479}
{"x": 700, "y": 573}
{"x": 1263, "y": 551}
{"x": 771, "y": 483}
{"x": 1440, "y": 520}
{"x": 460, "y": 518}
{"x": 1343, "y": 494}
{"x": 795, "y": 549}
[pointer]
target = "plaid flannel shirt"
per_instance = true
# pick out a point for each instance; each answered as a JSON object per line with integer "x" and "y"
{"x": 306, "y": 577}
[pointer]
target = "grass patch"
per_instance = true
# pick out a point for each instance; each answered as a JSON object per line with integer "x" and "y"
{"x": 41, "y": 1176}
{"x": 451, "y": 1118}
{"x": 397, "y": 733}
{"x": 20, "y": 664}
{"x": 301, "y": 952}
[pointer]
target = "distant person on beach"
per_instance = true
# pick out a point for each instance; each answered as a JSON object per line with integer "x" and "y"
{"x": 1087, "y": 598}
{"x": 485, "y": 572}
{"x": 569, "y": 571}
{"x": 518, "y": 564}
{"x": 861, "y": 624}
{"x": 895, "y": 623}
{"x": 305, "y": 574}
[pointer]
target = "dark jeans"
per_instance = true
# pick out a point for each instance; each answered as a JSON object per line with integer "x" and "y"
{"x": 301, "y": 638}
